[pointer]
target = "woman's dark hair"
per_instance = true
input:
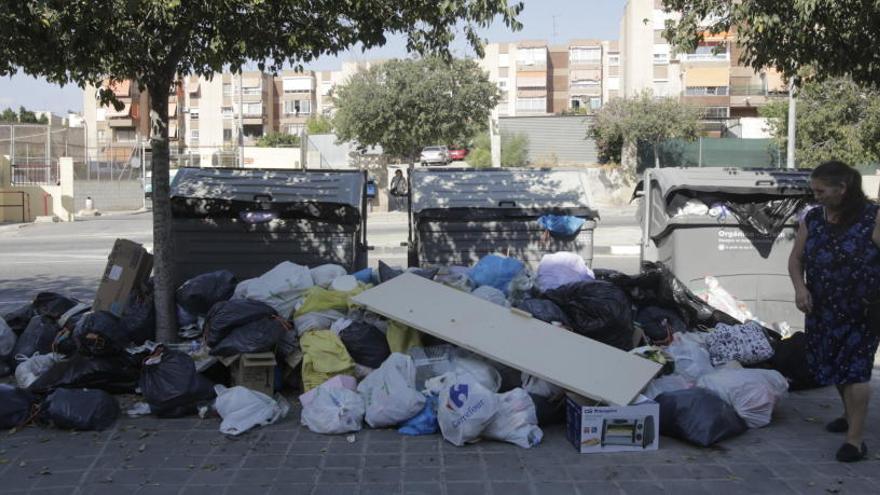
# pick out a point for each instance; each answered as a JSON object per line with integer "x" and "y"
{"x": 838, "y": 173}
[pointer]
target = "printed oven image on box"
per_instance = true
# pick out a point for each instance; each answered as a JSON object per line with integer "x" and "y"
{"x": 637, "y": 432}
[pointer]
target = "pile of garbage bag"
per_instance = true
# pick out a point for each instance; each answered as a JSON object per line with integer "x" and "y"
{"x": 355, "y": 369}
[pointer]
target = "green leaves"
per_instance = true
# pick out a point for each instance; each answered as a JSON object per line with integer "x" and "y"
{"x": 405, "y": 105}
{"x": 839, "y": 38}
{"x": 836, "y": 119}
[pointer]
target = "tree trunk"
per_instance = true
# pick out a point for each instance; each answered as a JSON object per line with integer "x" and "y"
{"x": 656, "y": 155}
{"x": 163, "y": 266}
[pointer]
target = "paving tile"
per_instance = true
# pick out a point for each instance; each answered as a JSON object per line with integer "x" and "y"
{"x": 343, "y": 461}
{"x": 386, "y": 475}
{"x": 468, "y": 488}
{"x": 339, "y": 475}
{"x": 422, "y": 489}
{"x": 380, "y": 488}
{"x": 298, "y": 476}
{"x": 421, "y": 474}
{"x": 547, "y": 473}
{"x": 599, "y": 488}
{"x": 335, "y": 489}
{"x": 509, "y": 488}
{"x": 109, "y": 489}
{"x": 464, "y": 473}
{"x": 382, "y": 460}
{"x": 639, "y": 487}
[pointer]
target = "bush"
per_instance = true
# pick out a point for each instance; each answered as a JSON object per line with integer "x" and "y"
{"x": 514, "y": 150}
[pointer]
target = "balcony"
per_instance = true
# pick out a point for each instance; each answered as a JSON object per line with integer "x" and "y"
{"x": 704, "y": 57}
{"x": 753, "y": 96}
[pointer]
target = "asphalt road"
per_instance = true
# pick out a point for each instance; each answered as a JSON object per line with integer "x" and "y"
{"x": 70, "y": 257}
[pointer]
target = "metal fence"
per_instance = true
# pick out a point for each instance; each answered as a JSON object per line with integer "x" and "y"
{"x": 34, "y": 150}
{"x": 714, "y": 152}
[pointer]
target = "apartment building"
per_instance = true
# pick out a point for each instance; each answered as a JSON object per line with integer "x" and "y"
{"x": 106, "y": 125}
{"x": 710, "y": 77}
{"x": 535, "y": 78}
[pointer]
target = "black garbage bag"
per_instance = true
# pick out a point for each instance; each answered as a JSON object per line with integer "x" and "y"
{"x": 366, "y": 344}
{"x": 765, "y": 219}
{"x": 37, "y": 337}
{"x": 80, "y": 409}
{"x": 101, "y": 333}
{"x": 52, "y": 305}
{"x": 386, "y": 272}
{"x": 598, "y": 310}
{"x": 15, "y": 406}
{"x": 790, "y": 359}
{"x": 657, "y": 286}
{"x": 226, "y": 316}
{"x": 698, "y": 416}
{"x": 171, "y": 385}
{"x": 548, "y": 412}
{"x": 114, "y": 374}
{"x": 544, "y": 310}
{"x": 8, "y": 338}
{"x": 257, "y": 336}
{"x": 199, "y": 294}
{"x": 659, "y": 324}
{"x": 139, "y": 315}
{"x": 18, "y": 319}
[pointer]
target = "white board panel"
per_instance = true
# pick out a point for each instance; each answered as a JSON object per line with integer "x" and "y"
{"x": 573, "y": 362}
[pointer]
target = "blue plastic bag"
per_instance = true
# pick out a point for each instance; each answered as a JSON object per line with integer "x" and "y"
{"x": 496, "y": 271}
{"x": 364, "y": 276}
{"x": 565, "y": 225}
{"x": 423, "y": 423}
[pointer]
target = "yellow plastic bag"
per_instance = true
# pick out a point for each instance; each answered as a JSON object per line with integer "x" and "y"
{"x": 402, "y": 338}
{"x": 321, "y": 299}
{"x": 324, "y": 356}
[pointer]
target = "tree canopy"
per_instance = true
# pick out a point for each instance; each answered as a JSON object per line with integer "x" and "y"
{"x": 643, "y": 118}
{"x": 405, "y": 105}
{"x": 836, "y": 119}
{"x": 836, "y": 38}
{"x": 278, "y": 140}
{"x": 152, "y": 42}
{"x": 319, "y": 124}
{"x": 23, "y": 116}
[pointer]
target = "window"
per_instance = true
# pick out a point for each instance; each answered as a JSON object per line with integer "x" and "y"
{"x": 252, "y": 109}
{"x": 293, "y": 129}
{"x": 194, "y": 113}
{"x": 227, "y": 89}
{"x": 226, "y": 112}
{"x": 124, "y": 134}
{"x": 194, "y": 134}
{"x": 227, "y": 134}
{"x": 705, "y": 52}
{"x": 661, "y": 58}
{"x": 585, "y": 55}
{"x": 706, "y": 91}
{"x": 531, "y": 56}
{"x": 531, "y": 104}
{"x": 584, "y": 84}
{"x": 716, "y": 112}
{"x": 502, "y": 85}
{"x": 102, "y": 134}
{"x": 613, "y": 60}
{"x": 297, "y": 107}
{"x": 595, "y": 103}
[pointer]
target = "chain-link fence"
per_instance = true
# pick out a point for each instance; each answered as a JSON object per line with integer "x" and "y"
{"x": 714, "y": 152}
{"x": 34, "y": 150}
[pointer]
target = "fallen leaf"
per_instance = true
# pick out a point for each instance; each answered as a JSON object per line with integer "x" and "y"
{"x": 142, "y": 448}
{"x": 810, "y": 419}
{"x": 144, "y": 434}
{"x": 22, "y": 464}
{"x": 45, "y": 470}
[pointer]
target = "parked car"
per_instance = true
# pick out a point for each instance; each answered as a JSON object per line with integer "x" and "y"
{"x": 457, "y": 154}
{"x": 435, "y": 155}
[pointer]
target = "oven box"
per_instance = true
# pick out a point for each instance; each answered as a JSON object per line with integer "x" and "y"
{"x": 593, "y": 428}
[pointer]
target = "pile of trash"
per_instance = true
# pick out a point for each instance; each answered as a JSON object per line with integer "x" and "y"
{"x": 353, "y": 367}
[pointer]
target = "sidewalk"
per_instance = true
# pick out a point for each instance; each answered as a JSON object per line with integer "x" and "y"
{"x": 150, "y": 456}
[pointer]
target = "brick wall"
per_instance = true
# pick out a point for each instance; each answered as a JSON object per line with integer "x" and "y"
{"x": 109, "y": 195}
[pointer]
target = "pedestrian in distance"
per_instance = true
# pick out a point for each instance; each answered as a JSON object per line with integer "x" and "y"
{"x": 398, "y": 191}
{"x": 835, "y": 269}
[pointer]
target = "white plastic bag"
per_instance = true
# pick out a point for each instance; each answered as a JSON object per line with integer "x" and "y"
{"x": 666, "y": 383}
{"x": 465, "y": 407}
{"x": 316, "y": 320}
{"x": 516, "y": 420}
{"x": 281, "y": 287}
{"x": 752, "y": 392}
{"x": 7, "y": 340}
{"x": 242, "y": 409}
{"x": 724, "y": 301}
{"x": 562, "y": 268}
{"x": 29, "y": 369}
{"x": 492, "y": 295}
{"x": 541, "y": 388}
{"x": 464, "y": 362}
{"x": 324, "y": 275}
{"x": 691, "y": 355}
{"x": 390, "y": 392}
{"x": 334, "y": 410}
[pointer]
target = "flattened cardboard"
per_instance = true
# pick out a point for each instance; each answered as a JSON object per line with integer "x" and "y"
{"x": 128, "y": 266}
{"x": 573, "y": 362}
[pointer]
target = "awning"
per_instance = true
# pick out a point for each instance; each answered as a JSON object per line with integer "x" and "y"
{"x": 585, "y": 75}
{"x": 698, "y": 76}
{"x": 722, "y": 36}
{"x": 297, "y": 84}
{"x": 531, "y": 82}
{"x": 531, "y": 93}
{"x": 251, "y": 83}
{"x": 113, "y": 113}
{"x": 121, "y": 88}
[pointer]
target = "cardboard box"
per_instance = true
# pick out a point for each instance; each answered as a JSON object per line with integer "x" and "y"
{"x": 255, "y": 371}
{"x": 128, "y": 266}
{"x": 593, "y": 428}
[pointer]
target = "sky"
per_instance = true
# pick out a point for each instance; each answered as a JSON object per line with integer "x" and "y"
{"x": 556, "y": 21}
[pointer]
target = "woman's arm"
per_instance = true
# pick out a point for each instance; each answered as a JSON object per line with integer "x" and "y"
{"x": 796, "y": 270}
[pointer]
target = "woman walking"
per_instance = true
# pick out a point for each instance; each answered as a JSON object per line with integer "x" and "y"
{"x": 837, "y": 250}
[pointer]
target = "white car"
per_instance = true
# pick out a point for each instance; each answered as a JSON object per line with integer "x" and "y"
{"x": 435, "y": 155}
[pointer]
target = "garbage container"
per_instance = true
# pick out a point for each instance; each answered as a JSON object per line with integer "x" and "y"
{"x": 744, "y": 241}
{"x": 249, "y": 220}
{"x": 457, "y": 216}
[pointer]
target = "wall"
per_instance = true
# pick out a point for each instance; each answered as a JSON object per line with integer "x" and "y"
{"x": 39, "y": 200}
{"x": 108, "y": 195}
{"x": 255, "y": 157}
{"x": 552, "y": 138}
